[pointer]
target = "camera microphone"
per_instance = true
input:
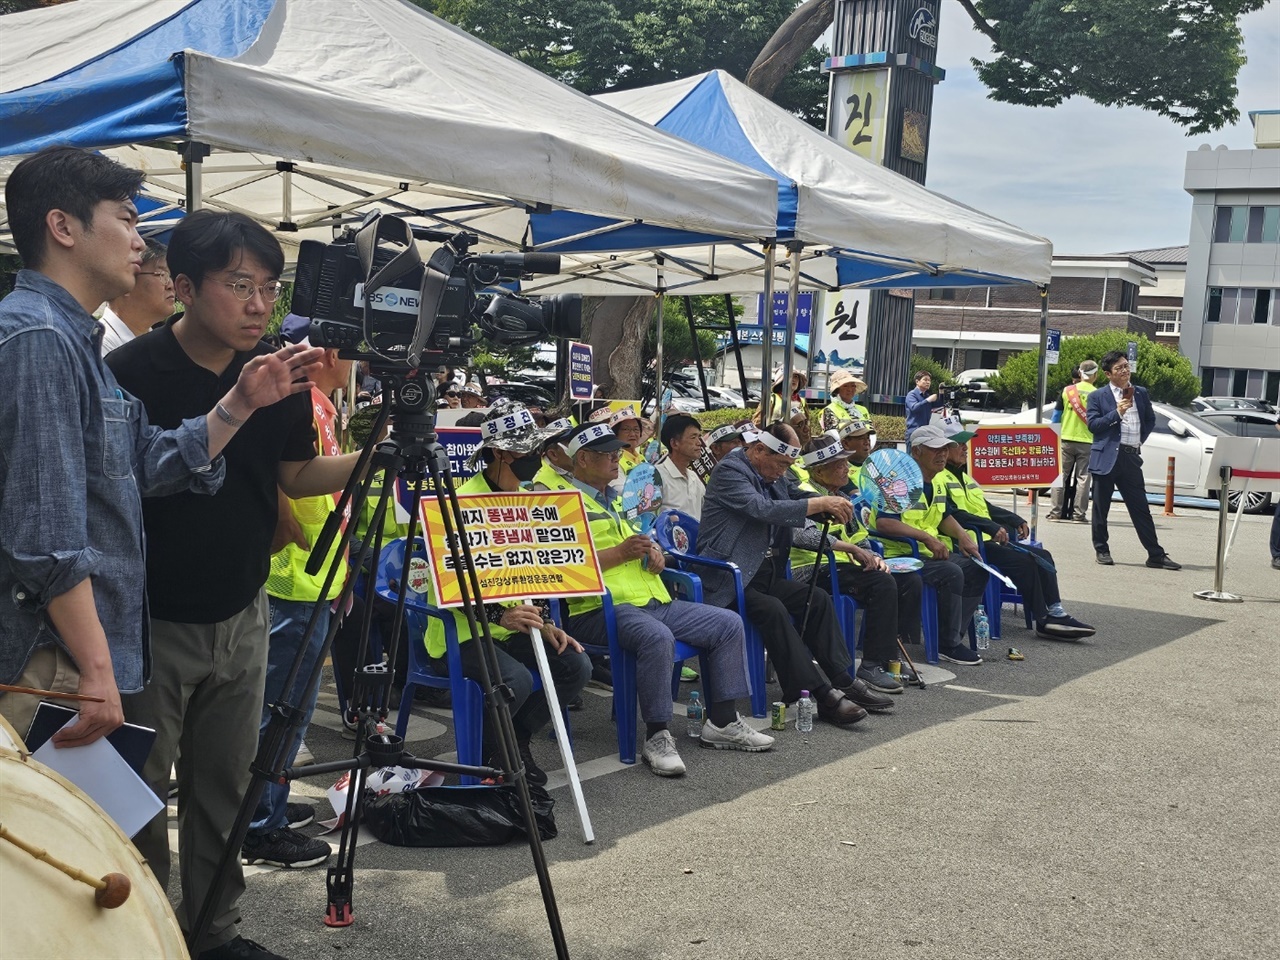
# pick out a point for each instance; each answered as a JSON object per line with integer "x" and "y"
{"x": 516, "y": 265}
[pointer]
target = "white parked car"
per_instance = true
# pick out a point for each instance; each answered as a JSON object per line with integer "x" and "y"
{"x": 1179, "y": 433}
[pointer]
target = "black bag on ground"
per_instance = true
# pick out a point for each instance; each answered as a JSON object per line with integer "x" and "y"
{"x": 475, "y": 816}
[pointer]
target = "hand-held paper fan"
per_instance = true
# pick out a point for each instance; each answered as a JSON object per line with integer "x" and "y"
{"x": 891, "y": 481}
{"x": 642, "y": 496}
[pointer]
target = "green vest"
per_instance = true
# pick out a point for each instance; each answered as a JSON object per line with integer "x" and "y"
{"x": 834, "y": 414}
{"x": 927, "y": 518}
{"x": 628, "y": 582}
{"x": 1074, "y": 428}
{"x": 966, "y": 495}
{"x": 435, "y": 627}
{"x": 628, "y": 461}
{"x": 548, "y": 479}
{"x": 849, "y": 533}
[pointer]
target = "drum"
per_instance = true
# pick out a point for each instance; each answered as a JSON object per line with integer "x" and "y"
{"x": 9, "y": 738}
{"x": 44, "y": 912}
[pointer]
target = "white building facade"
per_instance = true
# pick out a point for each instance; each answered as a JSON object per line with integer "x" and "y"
{"x": 1230, "y": 318}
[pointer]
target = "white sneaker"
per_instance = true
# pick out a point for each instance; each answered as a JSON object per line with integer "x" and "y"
{"x": 304, "y": 755}
{"x": 735, "y": 736}
{"x": 660, "y": 754}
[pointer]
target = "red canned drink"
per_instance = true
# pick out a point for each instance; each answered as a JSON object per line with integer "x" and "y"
{"x": 778, "y": 716}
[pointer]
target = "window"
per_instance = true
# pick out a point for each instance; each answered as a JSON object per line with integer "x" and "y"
{"x": 942, "y": 293}
{"x": 1261, "y": 306}
{"x": 1240, "y": 305}
{"x": 1251, "y": 384}
{"x": 981, "y": 359}
{"x": 1168, "y": 320}
{"x": 941, "y": 355}
{"x": 1247, "y": 225}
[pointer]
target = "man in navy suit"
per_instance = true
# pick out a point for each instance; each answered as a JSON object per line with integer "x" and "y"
{"x": 1120, "y": 419}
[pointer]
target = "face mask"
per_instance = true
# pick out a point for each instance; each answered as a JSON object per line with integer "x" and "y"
{"x": 526, "y": 467}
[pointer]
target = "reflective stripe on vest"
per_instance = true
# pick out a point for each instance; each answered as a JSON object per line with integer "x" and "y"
{"x": 928, "y": 519}
{"x": 629, "y": 582}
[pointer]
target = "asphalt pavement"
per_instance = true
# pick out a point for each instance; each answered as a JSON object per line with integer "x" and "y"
{"x": 1109, "y": 798}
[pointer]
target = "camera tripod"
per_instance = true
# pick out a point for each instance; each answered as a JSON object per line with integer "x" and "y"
{"x": 412, "y": 453}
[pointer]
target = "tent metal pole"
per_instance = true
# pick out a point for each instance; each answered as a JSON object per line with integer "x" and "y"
{"x": 1042, "y": 377}
{"x": 193, "y": 154}
{"x": 657, "y": 374}
{"x": 766, "y": 342}
{"x": 793, "y": 302}
{"x": 697, "y": 351}
{"x": 737, "y": 348}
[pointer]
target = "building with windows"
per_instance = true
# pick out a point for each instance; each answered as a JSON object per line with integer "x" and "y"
{"x": 969, "y": 328}
{"x": 1162, "y": 303}
{"x": 1230, "y": 320}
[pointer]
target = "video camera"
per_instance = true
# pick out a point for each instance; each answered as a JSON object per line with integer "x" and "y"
{"x": 370, "y": 295}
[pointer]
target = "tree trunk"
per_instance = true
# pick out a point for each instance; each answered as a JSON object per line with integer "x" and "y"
{"x": 616, "y": 328}
{"x": 797, "y": 34}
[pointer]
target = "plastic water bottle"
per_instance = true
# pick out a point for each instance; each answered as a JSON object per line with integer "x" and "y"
{"x": 982, "y": 628}
{"x": 695, "y": 714}
{"x": 804, "y": 712}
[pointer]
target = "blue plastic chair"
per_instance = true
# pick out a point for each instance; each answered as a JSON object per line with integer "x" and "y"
{"x": 998, "y": 594}
{"x": 466, "y": 696}
{"x": 677, "y": 535}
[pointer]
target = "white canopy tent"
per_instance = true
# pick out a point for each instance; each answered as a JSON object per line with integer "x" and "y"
{"x": 319, "y": 109}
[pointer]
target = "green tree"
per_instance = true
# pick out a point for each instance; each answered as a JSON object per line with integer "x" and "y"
{"x": 1167, "y": 374}
{"x": 597, "y": 46}
{"x": 1178, "y": 58}
{"x": 677, "y": 339}
{"x": 940, "y": 373}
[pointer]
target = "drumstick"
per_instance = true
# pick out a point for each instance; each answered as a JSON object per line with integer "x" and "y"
{"x": 110, "y": 892}
{"x": 10, "y": 688}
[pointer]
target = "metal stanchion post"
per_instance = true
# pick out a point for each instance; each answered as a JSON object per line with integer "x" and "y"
{"x": 1217, "y": 594}
{"x": 1168, "y": 489}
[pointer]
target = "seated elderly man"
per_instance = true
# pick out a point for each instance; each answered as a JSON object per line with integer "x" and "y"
{"x": 508, "y": 458}
{"x": 682, "y": 488}
{"x": 1037, "y": 584}
{"x": 959, "y": 581}
{"x": 649, "y": 621}
{"x": 855, "y": 440}
{"x": 890, "y": 601}
{"x": 723, "y": 440}
{"x": 748, "y": 516}
{"x": 556, "y": 471}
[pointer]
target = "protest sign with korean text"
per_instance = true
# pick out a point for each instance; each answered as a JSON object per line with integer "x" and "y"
{"x": 581, "y": 376}
{"x": 1014, "y": 456}
{"x": 522, "y": 545}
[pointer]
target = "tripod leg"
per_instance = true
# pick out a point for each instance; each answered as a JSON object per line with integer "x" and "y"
{"x": 562, "y": 736}
{"x": 460, "y": 550}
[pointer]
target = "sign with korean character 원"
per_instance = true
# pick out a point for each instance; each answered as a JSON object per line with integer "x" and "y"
{"x": 522, "y": 545}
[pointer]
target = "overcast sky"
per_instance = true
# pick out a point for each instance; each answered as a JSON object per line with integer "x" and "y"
{"x": 1092, "y": 179}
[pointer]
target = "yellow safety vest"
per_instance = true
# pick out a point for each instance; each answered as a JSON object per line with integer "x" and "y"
{"x": 927, "y": 518}
{"x": 288, "y": 578}
{"x": 628, "y": 582}
{"x": 628, "y": 460}
{"x": 1074, "y": 428}
{"x": 834, "y": 414}
{"x": 966, "y": 495}
{"x": 548, "y": 478}
{"x": 852, "y": 532}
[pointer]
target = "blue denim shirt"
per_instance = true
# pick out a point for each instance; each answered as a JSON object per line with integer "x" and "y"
{"x": 76, "y": 455}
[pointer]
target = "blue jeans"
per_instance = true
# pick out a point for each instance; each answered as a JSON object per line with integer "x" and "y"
{"x": 288, "y": 623}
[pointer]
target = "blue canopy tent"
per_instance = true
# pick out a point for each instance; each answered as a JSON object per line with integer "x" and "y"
{"x": 846, "y": 222}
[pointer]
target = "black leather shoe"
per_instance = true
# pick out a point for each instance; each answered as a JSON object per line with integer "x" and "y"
{"x": 835, "y": 707}
{"x": 865, "y": 697}
{"x": 1104, "y": 558}
{"x": 1163, "y": 563}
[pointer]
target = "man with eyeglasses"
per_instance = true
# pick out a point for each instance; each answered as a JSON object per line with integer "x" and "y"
{"x": 208, "y": 557}
{"x": 751, "y": 508}
{"x": 149, "y": 302}
{"x": 1120, "y": 418}
{"x": 649, "y": 621}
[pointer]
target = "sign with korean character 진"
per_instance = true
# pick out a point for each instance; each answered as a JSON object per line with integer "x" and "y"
{"x": 1022, "y": 455}
{"x": 860, "y": 99}
{"x": 522, "y": 545}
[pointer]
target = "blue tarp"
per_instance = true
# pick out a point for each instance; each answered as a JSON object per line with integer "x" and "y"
{"x": 132, "y": 93}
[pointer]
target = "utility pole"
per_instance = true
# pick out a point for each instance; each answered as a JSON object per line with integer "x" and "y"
{"x": 883, "y": 72}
